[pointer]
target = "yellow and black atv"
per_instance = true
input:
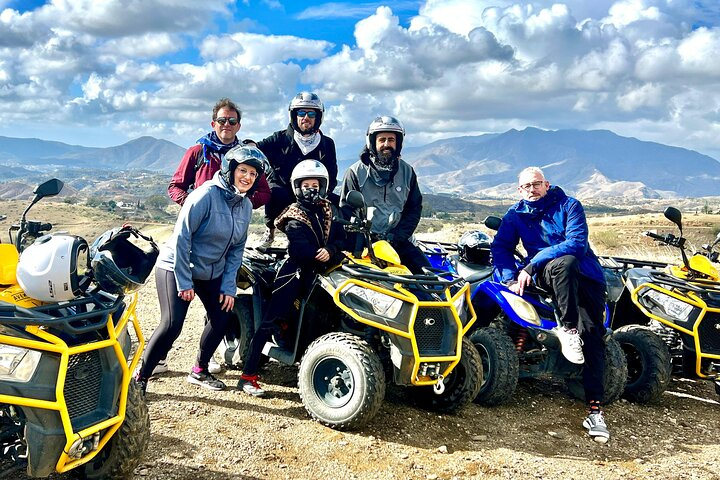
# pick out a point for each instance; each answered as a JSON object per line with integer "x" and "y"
{"x": 680, "y": 303}
{"x": 363, "y": 323}
{"x": 67, "y": 399}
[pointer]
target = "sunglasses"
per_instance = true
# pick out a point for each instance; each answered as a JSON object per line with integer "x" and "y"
{"x": 231, "y": 120}
{"x": 309, "y": 113}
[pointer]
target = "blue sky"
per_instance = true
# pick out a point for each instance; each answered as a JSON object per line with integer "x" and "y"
{"x": 100, "y": 73}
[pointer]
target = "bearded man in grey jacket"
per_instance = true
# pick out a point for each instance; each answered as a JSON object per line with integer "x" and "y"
{"x": 390, "y": 187}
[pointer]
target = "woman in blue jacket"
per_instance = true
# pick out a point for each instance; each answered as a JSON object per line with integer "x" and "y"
{"x": 202, "y": 258}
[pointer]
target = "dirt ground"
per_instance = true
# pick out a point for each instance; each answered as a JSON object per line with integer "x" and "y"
{"x": 201, "y": 434}
{"x": 198, "y": 434}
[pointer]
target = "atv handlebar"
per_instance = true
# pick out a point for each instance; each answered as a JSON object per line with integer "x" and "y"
{"x": 668, "y": 239}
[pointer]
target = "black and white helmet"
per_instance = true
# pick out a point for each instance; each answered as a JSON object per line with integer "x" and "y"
{"x": 306, "y": 100}
{"x": 474, "y": 247}
{"x": 309, "y": 169}
{"x": 385, "y": 123}
{"x": 247, "y": 154}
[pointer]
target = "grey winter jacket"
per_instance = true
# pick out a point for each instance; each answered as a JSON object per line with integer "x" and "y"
{"x": 397, "y": 205}
{"x": 209, "y": 236}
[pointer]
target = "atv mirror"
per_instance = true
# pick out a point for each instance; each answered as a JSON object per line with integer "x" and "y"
{"x": 492, "y": 222}
{"x": 48, "y": 189}
{"x": 355, "y": 199}
{"x": 674, "y": 215}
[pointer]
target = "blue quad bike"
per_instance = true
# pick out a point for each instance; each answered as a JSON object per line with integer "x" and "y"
{"x": 514, "y": 334}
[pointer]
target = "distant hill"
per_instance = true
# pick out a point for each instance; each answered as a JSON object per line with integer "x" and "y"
{"x": 590, "y": 164}
{"x": 144, "y": 153}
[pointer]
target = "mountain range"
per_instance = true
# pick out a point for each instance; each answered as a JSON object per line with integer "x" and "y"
{"x": 589, "y": 164}
{"x": 593, "y": 164}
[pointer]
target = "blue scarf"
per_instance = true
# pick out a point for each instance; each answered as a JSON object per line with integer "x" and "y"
{"x": 212, "y": 142}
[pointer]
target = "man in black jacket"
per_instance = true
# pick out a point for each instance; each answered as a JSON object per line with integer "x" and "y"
{"x": 302, "y": 140}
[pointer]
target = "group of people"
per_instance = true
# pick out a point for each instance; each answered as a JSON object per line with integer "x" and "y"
{"x": 293, "y": 174}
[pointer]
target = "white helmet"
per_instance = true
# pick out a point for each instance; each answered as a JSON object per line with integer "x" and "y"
{"x": 309, "y": 169}
{"x": 53, "y": 268}
{"x": 385, "y": 123}
{"x": 306, "y": 100}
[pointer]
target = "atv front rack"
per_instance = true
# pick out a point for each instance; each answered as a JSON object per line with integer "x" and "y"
{"x": 78, "y": 316}
{"x": 428, "y": 279}
{"x": 622, "y": 264}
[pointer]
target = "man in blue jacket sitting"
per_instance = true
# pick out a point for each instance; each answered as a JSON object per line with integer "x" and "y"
{"x": 554, "y": 233}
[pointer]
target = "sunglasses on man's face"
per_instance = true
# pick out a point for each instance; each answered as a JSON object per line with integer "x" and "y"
{"x": 309, "y": 113}
{"x": 231, "y": 120}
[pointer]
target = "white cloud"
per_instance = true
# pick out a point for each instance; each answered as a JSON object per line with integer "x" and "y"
{"x": 640, "y": 67}
{"x": 253, "y": 49}
{"x": 112, "y": 18}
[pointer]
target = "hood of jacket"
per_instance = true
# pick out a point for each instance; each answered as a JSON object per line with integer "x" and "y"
{"x": 553, "y": 196}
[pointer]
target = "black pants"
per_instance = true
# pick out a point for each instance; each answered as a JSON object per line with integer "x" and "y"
{"x": 411, "y": 256}
{"x": 173, "y": 311}
{"x": 581, "y": 302}
{"x": 290, "y": 282}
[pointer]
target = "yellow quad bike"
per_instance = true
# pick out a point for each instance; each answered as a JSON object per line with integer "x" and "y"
{"x": 365, "y": 323}
{"x": 67, "y": 399}
{"x": 681, "y": 303}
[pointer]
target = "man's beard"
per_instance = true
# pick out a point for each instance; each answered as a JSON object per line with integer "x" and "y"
{"x": 385, "y": 159}
{"x": 305, "y": 130}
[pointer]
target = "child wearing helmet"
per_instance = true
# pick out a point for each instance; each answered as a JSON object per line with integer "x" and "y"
{"x": 315, "y": 243}
{"x": 201, "y": 258}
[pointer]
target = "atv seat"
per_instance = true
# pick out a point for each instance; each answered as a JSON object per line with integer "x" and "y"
{"x": 473, "y": 272}
{"x": 8, "y": 264}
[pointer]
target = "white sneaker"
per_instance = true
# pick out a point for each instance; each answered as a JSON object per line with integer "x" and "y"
{"x": 571, "y": 344}
{"x": 267, "y": 239}
{"x": 161, "y": 367}
{"x": 596, "y": 427}
{"x": 213, "y": 366}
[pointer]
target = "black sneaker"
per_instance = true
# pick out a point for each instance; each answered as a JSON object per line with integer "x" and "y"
{"x": 142, "y": 384}
{"x": 205, "y": 379}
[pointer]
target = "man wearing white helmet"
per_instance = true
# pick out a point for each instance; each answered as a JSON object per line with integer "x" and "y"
{"x": 315, "y": 243}
{"x": 389, "y": 186}
{"x": 302, "y": 140}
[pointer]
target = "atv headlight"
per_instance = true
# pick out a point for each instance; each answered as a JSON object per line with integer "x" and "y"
{"x": 665, "y": 306}
{"x": 18, "y": 364}
{"x": 522, "y": 308}
{"x": 381, "y": 304}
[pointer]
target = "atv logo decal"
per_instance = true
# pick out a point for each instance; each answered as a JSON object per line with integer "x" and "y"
{"x": 429, "y": 322}
{"x": 81, "y": 373}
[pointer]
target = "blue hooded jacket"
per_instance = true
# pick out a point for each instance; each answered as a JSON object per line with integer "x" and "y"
{"x": 209, "y": 236}
{"x": 550, "y": 227}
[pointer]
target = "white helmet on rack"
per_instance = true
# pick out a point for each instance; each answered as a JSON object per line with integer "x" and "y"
{"x": 309, "y": 169}
{"x": 54, "y": 267}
